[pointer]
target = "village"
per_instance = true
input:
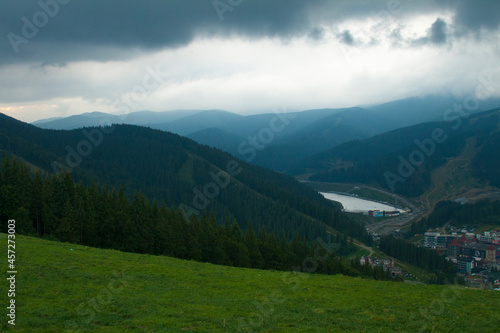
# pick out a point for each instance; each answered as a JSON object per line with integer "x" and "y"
{"x": 386, "y": 264}
{"x": 476, "y": 256}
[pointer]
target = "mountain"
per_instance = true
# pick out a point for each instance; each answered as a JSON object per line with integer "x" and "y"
{"x": 290, "y": 135}
{"x": 46, "y": 120}
{"x": 168, "y": 167}
{"x": 78, "y": 121}
{"x": 100, "y": 118}
{"x": 406, "y": 160}
{"x": 198, "y": 121}
{"x": 279, "y": 140}
{"x": 319, "y": 135}
{"x": 416, "y": 110}
{"x": 218, "y": 138}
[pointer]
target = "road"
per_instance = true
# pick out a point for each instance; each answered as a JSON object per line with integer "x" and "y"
{"x": 369, "y": 249}
{"x": 388, "y": 226}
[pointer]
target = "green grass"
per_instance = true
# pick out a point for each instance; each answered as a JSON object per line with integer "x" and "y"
{"x": 487, "y": 227}
{"x": 358, "y": 253}
{"x": 93, "y": 290}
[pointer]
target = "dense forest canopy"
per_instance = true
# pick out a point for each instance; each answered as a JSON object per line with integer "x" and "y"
{"x": 54, "y": 207}
{"x": 472, "y": 214}
{"x": 403, "y": 160}
{"x": 167, "y": 167}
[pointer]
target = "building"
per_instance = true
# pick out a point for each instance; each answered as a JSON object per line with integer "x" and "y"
{"x": 435, "y": 239}
{"x": 453, "y": 248}
{"x": 430, "y": 239}
{"x": 465, "y": 264}
{"x": 477, "y": 250}
{"x": 378, "y": 213}
{"x": 463, "y": 239}
{"x": 391, "y": 213}
{"x": 492, "y": 278}
{"x": 443, "y": 240}
{"x": 491, "y": 253}
{"x": 386, "y": 264}
{"x": 486, "y": 238}
{"x": 396, "y": 271}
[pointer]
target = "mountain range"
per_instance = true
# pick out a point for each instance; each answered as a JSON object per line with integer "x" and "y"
{"x": 281, "y": 139}
{"x": 174, "y": 169}
{"x": 465, "y": 151}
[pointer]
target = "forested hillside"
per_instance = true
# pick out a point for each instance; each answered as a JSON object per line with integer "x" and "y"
{"x": 428, "y": 259}
{"x": 56, "y": 208}
{"x": 170, "y": 168}
{"x": 403, "y": 160}
{"x": 473, "y": 215}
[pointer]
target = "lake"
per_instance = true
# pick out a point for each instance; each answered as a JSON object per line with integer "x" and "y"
{"x": 357, "y": 205}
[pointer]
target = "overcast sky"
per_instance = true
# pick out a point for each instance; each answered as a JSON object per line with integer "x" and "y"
{"x": 64, "y": 57}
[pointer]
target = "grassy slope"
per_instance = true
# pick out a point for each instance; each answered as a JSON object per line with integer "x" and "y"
{"x": 449, "y": 178}
{"x": 110, "y": 291}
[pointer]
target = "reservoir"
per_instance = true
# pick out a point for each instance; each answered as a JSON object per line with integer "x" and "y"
{"x": 353, "y": 204}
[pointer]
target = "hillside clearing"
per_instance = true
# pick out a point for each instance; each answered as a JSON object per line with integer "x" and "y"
{"x": 75, "y": 287}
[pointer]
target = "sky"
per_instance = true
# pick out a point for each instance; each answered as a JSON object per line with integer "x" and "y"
{"x": 65, "y": 57}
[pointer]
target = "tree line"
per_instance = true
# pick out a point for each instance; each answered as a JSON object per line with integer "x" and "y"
{"x": 474, "y": 215}
{"x": 420, "y": 257}
{"x": 54, "y": 207}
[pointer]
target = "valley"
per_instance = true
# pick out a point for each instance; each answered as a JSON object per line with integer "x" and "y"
{"x": 282, "y": 226}
{"x": 250, "y": 166}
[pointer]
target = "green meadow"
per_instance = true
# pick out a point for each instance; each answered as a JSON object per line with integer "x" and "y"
{"x": 65, "y": 287}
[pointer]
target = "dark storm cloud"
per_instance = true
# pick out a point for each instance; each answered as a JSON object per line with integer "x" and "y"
{"x": 478, "y": 14}
{"x": 346, "y": 37}
{"x": 142, "y": 24}
{"x": 115, "y": 29}
{"x": 438, "y": 31}
{"x": 437, "y": 34}
{"x": 316, "y": 34}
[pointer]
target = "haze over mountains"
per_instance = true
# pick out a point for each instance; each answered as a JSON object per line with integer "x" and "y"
{"x": 404, "y": 160}
{"x": 278, "y": 140}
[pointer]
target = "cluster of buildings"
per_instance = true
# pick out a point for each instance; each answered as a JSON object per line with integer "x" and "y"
{"x": 383, "y": 213}
{"x": 472, "y": 253}
{"x": 386, "y": 264}
{"x": 485, "y": 280}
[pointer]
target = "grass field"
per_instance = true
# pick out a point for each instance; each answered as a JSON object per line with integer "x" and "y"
{"x": 487, "y": 227}
{"x": 63, "y": 286}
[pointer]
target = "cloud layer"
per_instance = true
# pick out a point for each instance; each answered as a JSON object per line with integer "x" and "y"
{"x": 113, "y": 25}
{"x": 67, "y": 56}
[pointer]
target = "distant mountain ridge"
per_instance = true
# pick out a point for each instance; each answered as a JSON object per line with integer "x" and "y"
{"x": 97, "y": 118}
{"x": 262, "y": 140}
